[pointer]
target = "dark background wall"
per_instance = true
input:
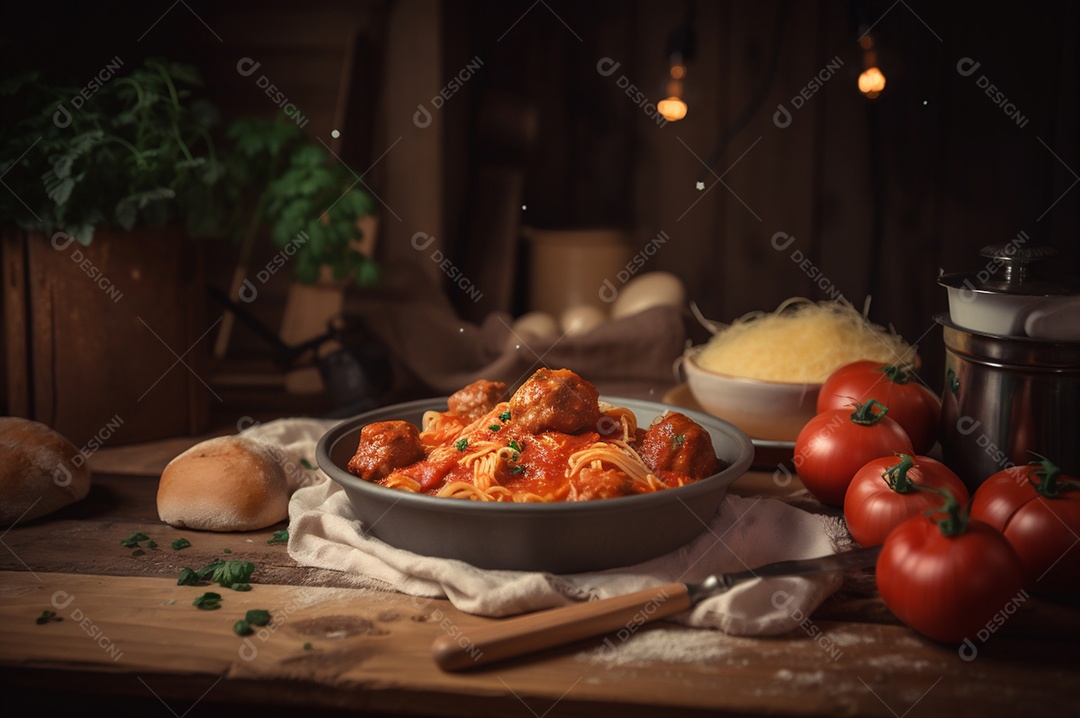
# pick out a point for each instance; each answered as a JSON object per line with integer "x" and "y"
{"x": 879, "y": 196}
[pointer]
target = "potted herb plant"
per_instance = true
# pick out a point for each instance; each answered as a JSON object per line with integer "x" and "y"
{"x": 106, "y": 289}
{"x": 102, "y": 197}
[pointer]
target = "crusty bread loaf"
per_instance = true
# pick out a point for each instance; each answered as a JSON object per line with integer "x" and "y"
{"x": 230, "y": 483}
{"x": 40, "y": 471}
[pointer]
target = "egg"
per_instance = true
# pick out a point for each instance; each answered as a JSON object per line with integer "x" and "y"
{"x": 533, "y": 326}
{"x": 652, "y": 289}
{"x": 581, "y": 319}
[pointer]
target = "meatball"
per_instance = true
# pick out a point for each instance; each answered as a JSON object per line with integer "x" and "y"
{"x": 476, "y": 399}
{"x": 677, "y": 443}
{"x": 555, "y": 400}
{"x": 385, "y": 446}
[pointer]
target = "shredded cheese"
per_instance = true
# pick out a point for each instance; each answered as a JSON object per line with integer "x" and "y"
{"x": 801, "y": 342}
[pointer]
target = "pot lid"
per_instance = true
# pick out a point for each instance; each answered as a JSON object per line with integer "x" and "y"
{"x": 1015, "y": 269}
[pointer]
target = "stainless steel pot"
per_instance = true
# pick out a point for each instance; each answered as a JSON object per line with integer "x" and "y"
{"x": 1018, "y": 292}
{"x": 1008, "y": 395}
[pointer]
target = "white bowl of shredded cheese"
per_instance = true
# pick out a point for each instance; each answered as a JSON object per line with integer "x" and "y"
{"x": 764, "y": 371}
{"x": 768, "y": 410}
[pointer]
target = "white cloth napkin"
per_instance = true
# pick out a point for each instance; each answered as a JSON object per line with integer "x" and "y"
{"x": 744, "y": 533}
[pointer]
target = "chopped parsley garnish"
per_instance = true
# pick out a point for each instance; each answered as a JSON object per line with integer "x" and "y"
{"x": 519, "y": 469}
{"x": 280, "y": 536}
{"x": 307, "y": 464}
{"x": 514, "y": 446}
{"x": 229, "y": 574}
{"x": 209, "y": 601}
{"x": 461, "y": 444}
{"x": 233, "y": 574}
{"x": 257, "y": 617}
{"x": 505, "y": 416}
{"x": 308, "y": 646}
{"x": 138, "y": 552}
{"x": 151, "y": 544}
{"x": 495, "y": 427}
{"x": 47, "y": 616}
{"x": 679, "y": 440}
{"x": 254, "y": 617}
{"x": 180, "y": 543}
{"x": 228, "y": 550}
{"x": 133, "y": 540}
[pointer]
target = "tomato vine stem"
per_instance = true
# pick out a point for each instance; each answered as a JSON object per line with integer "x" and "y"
{"x": 897, "y": 477}
{"x": 864, "y": 413}
{"x": 1050, "y": 484}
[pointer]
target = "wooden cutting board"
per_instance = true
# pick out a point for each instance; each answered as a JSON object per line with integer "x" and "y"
{"x": 360, "y": 648}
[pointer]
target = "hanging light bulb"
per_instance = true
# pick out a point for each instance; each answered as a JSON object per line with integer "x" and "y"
{"x": 680, "y": 50}
{"x": 673, "y": 107}
{"x": 872, "y": 79}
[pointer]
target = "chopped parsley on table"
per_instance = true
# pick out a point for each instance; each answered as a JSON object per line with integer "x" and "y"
{"x": 180, "y": 543}
{"x": 254, "y": 617}
{"x": 229, "y": 574}
{"x": 133, "y": 540}
{"x": 209, "y": 601}
{"x": 47, "y": 616}
{"x": 281, "y": 536}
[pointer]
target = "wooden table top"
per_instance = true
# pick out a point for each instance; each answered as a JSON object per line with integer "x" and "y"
{"x": 130, "y": 639}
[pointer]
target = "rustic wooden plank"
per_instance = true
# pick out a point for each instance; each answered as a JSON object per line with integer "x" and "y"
{"x": 365, "y": 643}
{"x": 15, "y": 329}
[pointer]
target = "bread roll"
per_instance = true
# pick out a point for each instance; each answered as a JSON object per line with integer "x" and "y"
{"x": 40, "y": 471}
{"x": 230, "y": 483}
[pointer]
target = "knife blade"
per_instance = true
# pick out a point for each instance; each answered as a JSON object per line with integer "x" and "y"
{"x": 533, "y": 632}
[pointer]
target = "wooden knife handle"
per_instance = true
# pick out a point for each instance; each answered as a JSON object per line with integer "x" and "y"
{"x": 513, "y": 637}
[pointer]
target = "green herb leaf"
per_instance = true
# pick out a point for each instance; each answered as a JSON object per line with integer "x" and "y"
{"x": 134, "y": 539}
{"x": 495, "y": 427}
{"x": 241, "y": 587}
{"x": 151, "y": 544}
{"x": 138, "y": 552}
{"x": 308, "y": 646}
{"x": 505, "y": 416}
{"x": 679, "y": 440}
{"x": 209, "y": 601}
{"x": 257, "y": 617}
{"x": 47, "y": 616}
{"x": 307, "y": 464}
{"x": 461, "y": 444}
{"x": 207, "y": 571}
{"x": 519, "y": 469}
{"x": 281, "y": 536}
{"x": 180, "y": 543}
{"x": 230, "y": 573}
{"x": 188, "y": 577}
{"x": 243, "y": 628}
{"x": 228, "y": 550}
{"x": 514, "y": 445}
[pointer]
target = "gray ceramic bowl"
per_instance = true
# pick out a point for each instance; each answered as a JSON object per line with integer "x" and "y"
{"x": 564, "y": 537}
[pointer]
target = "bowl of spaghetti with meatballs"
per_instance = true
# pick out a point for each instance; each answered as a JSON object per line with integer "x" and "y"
{"x": 552, "y": 477}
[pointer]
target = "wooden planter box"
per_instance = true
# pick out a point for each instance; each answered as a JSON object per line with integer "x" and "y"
{"x": 106, "y": 343}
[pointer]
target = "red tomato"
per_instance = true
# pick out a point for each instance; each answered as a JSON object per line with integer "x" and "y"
{"x": 834, "y": 445}
{"x": 911, "y": 404}
{"x": 1041, "y": 519}
{"x": 947, "y": 587}
{"x": 885, "y": 492}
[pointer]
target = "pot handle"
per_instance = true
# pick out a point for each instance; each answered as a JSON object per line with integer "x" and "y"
{"x": 557, "y": 626}
{"x": 1055, "y": 321}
